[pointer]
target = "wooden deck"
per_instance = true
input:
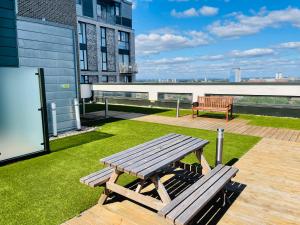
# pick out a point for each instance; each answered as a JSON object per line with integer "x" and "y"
{"x": 236, "y": 126}
{"x": 118, "y": 213}
{"x": 269, "y": 174}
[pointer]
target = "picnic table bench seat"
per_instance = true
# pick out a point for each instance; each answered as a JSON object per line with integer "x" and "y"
{"x": 184, "y": 207}
{"x": 98, "y": 178}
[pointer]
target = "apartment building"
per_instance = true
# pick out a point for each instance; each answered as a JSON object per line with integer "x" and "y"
{"x": 106, "y": 41}
{"x": 43, "y": 34}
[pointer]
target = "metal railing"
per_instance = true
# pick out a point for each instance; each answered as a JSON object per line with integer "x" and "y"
{"x": 128, "y": 68}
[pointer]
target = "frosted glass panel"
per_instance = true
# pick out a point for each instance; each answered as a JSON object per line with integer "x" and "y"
{"x": 21, "y": 128}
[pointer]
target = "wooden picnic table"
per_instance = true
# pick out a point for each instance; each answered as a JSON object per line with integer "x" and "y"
{"x": 146, "y": 162}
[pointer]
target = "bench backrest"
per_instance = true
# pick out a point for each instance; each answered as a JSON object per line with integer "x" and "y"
{"x": 215, "y": 101}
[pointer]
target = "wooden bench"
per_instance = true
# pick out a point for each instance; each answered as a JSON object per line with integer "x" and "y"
{"x": 98, "y": 178}
{"x": 214, "y": 104}
{"x": 185, "y": 206}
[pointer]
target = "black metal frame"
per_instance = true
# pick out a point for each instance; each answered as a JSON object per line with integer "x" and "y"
{"x": 44, "y": 109}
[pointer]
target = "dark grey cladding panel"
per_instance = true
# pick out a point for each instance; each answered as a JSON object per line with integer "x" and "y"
{"x": 111, "y": 49}
{"x": 91, "y": 36}
{"x": 58, "y": 11}
{"x": 52, "y": 48}
{"x": 8, "y": 34}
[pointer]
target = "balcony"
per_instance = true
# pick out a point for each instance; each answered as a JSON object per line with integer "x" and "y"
{"x": 128, "y": 68}
{"x": 115, "y": 20}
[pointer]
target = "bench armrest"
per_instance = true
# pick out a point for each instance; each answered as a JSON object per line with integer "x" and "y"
{"x": 195, "y": 104}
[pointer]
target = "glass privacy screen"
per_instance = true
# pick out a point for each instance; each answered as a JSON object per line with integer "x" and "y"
{"x": 21, "y": 127}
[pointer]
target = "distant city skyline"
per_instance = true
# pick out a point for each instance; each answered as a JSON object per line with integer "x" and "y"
{"x": 194, "y": 39}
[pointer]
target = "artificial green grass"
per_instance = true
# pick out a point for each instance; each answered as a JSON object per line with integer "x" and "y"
{"x": 264, "y": 121}
{"x": 46, "y": 189}
{"x": 271, "y": 121}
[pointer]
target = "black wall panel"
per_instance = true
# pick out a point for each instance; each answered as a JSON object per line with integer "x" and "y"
{"x": 8, "y": 34}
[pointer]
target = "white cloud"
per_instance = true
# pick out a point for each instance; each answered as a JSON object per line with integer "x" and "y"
{"x": 208, "y": 11}
{"x": 246, "y": 25}
{"x": 255, "y": 52}
{"x": 211, "y": 57}
{"x": 290, "y": 45}
{"x": 154, "y": 43}
{"x": 166, "y": 61}
{"x": 193, "y": 12}
{"x": 185, "y": 67}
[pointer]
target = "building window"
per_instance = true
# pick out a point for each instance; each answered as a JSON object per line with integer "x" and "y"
{"x": 82, "y": 46}
{"x": 79, "y": 2}
{"x": 104, "y": 79}
{"x": 88, "y": 8}
{"x": 124, "y": 59}
{"x": 82, "y": 33}
{"x": 117, "y": 9}
{"x": 83, "y": 59}
{"x": 99, "y": 10}
{"x": 104, "y": 61}
{"x": 123, "y": 40}
{"x": 112, "y": 10}
{"x": 103, "y": 36}
{"x": 84, "y": 79}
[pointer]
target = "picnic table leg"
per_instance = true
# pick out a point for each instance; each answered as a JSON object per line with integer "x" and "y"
{"x": 113, "y": 179}
{"x": 205, "y": 166}
{"x": 162, "y": 192}
{"x": 140, "y": 186}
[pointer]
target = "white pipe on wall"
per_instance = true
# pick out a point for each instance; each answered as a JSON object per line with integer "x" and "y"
{"x": 77, "y": 114}
{"x": 54, "y": 119}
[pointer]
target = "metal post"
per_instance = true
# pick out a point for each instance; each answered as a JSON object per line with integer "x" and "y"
{"x": 219, "y": 148}
{"x": 77, "y": 113}
{"x": 54, "y": 119}
{"x": 83, "y": 106}
{"x": 177, "y": 108}
{"x": 106, "y": 108}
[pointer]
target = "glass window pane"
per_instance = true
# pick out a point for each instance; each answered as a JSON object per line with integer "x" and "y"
{"x": 99, "y": 10}
{"x": 126, "y": 60}
{"x": 83, "y": 34}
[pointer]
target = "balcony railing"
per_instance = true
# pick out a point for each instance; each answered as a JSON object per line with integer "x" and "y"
{"x": 128, "y": 68}
{"x": 106, "y": 18}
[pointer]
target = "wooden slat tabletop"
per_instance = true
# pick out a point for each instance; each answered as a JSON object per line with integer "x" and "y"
{"x": 145, "y": 159}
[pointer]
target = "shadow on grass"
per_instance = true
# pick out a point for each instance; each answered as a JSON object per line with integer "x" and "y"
{"x": 124, "y": 108}
{"x": 98, "y": 122}
{"x": 232, "y": 161}
{"x": 76, "y": 140}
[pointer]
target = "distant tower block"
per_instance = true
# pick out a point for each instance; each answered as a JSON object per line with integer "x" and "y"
{"x": 238, "y": 75}
{"x": 235, "y": 75}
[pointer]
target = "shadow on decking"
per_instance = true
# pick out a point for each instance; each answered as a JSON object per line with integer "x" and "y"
{"x": 182, "y": 179}
{"x": 216, "y": 115}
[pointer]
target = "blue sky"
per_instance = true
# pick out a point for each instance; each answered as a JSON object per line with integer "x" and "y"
{"x": 207, "y": 38}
